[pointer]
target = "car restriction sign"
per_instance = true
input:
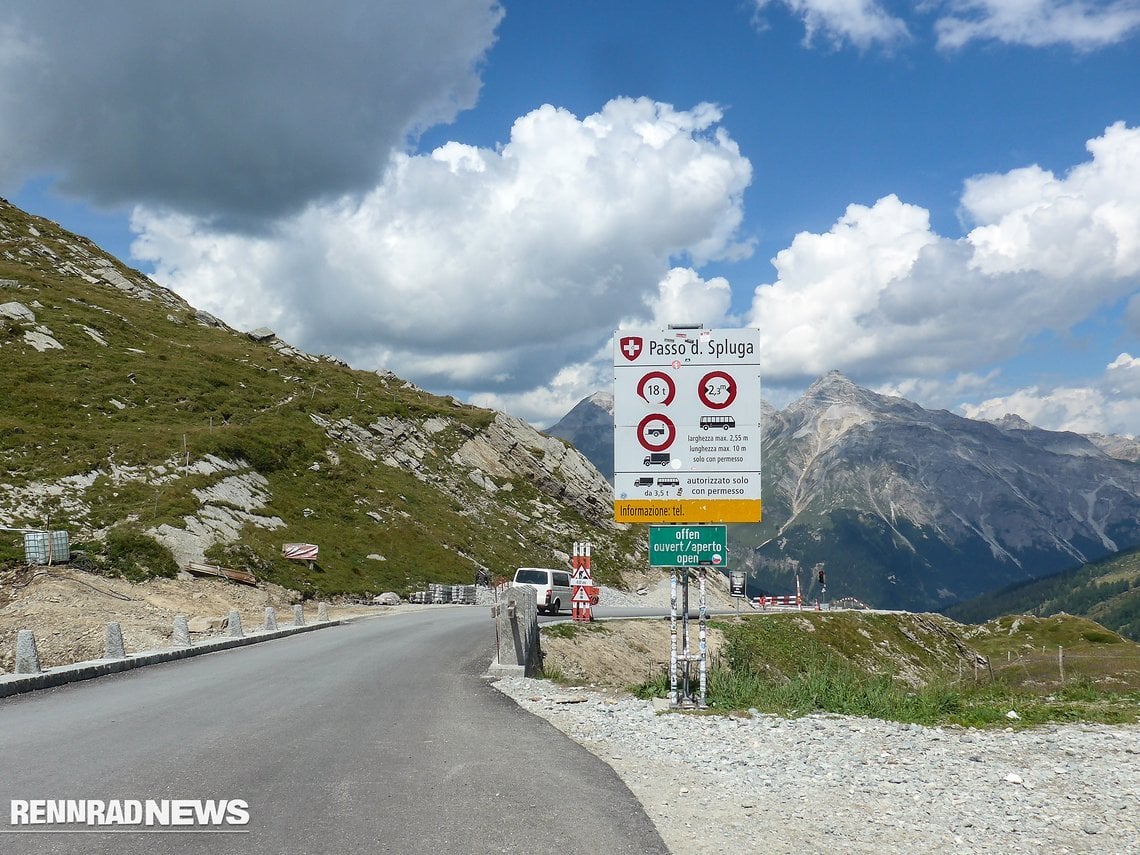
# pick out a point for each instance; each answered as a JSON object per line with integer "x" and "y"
{"x": 717, "y": 390}
{"x": 656, "y": 432}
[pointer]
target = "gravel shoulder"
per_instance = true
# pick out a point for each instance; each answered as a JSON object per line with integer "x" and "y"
{"x": 717, "y": 784}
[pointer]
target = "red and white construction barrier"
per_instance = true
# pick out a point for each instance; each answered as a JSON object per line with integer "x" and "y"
{"x": 787, "y": 600}
{"x": 584, "y": 592}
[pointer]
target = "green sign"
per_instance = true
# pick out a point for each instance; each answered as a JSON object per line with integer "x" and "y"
{"x": 688, "y": 546}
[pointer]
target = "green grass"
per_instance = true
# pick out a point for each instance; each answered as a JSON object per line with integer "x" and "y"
{"x": 569, "y": 629}
{"x": 870, "y": 666}
{"x": 136, "y": 556}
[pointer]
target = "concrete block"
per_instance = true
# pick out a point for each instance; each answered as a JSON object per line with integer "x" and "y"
{"x": 113, "y": 642}
{"x": 322, "y": 611}
{"x": 517, "y": 631}
{"x": 181, "y": 631}
{"x": 27, "y": 659}
{"x": 270, "y": 618}
{"x": 233, "y": 625}
{"x": 298, "y": 616}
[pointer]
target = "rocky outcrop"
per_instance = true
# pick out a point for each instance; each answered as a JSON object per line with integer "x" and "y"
{"x": 492, "y": 459}
{"x": 132, "y": 411}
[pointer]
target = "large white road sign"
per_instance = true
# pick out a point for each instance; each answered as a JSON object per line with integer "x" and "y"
{"x": 687, "y": 426}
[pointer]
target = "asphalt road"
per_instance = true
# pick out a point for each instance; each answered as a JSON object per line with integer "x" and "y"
{"x": 376, "y": 736}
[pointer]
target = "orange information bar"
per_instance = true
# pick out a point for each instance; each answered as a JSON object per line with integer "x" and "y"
{"x": 687, "y": 510}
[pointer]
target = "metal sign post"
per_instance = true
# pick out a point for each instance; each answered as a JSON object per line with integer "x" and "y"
{"x": 681, "y": 688}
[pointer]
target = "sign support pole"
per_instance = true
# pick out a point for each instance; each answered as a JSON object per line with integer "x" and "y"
{"x": 703, "y": 639}
{"x": 687, "y": 690}
{"x": 685, "y": 632}
{"x": 673, "y": 696}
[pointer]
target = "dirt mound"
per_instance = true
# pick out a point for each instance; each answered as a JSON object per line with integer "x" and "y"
{"x": 617, "y": 653}
{"x": 68, "y": 610}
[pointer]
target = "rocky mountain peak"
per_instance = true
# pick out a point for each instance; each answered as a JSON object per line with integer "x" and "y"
{"x": 603, "y": 401}
{"x": 1012, "y": 421}
{"x": 832, "y": 406}
{"x": 589, "y": 426}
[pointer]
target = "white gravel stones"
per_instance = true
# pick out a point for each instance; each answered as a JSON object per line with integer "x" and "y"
{"x": 715, "y": 784}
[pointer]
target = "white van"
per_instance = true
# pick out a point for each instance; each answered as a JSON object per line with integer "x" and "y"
{"x": 551, "y": 587}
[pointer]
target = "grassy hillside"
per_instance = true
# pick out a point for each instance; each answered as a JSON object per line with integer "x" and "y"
{"x": 1107, "y": 591}
{"x": 109, "y": 430}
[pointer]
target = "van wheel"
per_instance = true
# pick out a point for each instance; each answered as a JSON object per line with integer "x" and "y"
{"x": 541, "y": 610}
{"x": 556, "y": 607}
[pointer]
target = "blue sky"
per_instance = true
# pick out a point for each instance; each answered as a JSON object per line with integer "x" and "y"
{"x": 940, "y": 199}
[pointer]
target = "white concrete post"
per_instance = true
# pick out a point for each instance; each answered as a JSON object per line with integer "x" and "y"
{"x": 181, "y": 631}
{"x": 298, "y": 616}
{"x": 113, "y": 642}
{"x": 234, "y": 624}
{"x": 27, "y": 659}
{"x": 322, "y": 611}
{"x": 270, "y": 618}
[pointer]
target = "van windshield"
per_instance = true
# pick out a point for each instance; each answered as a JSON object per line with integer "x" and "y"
{"x": 532, "y": 577}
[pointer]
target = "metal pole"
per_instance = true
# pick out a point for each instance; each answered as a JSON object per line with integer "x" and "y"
{"x": 686, "y": 678}
{"x": 703, "y": 638}
{"x": 673, "y": 698}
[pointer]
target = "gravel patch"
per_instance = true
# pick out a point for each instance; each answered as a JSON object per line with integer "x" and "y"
{"x": 762, "y": 783}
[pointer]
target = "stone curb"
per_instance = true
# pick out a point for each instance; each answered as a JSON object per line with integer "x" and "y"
{"x": 15, "y": 684}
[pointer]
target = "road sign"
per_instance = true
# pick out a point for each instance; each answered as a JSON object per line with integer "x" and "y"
{"x": 687, "y": 426}
{"x": 580, "y": 606}
{"x": 688, "y": 545}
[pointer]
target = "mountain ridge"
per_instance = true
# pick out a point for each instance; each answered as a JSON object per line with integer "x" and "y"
{"x": 908, "y": 507}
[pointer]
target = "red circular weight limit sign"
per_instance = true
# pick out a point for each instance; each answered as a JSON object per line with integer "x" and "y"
{"x": 717, "y": 383}
{"x": 643, "y": 436}
{"x": 656, "y": 387}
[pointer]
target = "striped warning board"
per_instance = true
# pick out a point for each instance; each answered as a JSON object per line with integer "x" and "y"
{"x": 580, "y": 605}
{"x": 300, "y": 551}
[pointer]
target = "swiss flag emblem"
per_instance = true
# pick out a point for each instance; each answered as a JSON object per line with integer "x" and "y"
{"x": 630, "y": 346}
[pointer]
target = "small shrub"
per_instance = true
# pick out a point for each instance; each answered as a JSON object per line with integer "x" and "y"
{"x": 137, "y": 556}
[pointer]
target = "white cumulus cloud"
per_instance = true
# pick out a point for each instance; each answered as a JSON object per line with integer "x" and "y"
{"x": 1108, "y": 404}
{"x": 883, "y": 296}
{"x": 481, "y": 269}
{"x": 862, "y": 23}
{"x": 1081, "y": 24}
